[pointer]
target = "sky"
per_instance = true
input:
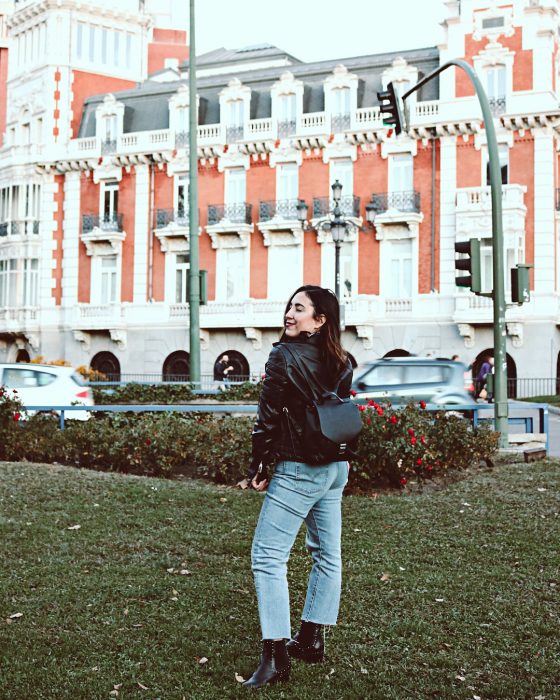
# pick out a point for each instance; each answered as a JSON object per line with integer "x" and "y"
{"x": 316, "y": 30}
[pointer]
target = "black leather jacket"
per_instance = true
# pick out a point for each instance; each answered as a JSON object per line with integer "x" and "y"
{"x": 285, "y": 393}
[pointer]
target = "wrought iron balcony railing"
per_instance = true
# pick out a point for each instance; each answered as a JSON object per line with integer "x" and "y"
{"x": 239, "y": 213}
{"x": 165, "y": 216}
{"x": 280, "y": 208}
{"x": 497, "y": 105}
{"x": 108, "y": 146}
{"x": 400, "y": 201}
{"x": 286, "y": 127}
{"x": 19, "y": 228}
{"x": 234, "y": 133}
{"x": 106, "y": 222}
{"x": 349, "y": 206}
{"x": 181, "y": 139}
{"x": 340, "y": 122}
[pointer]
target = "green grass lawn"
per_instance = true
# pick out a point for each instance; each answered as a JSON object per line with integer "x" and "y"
{"x": 470, "y": 607}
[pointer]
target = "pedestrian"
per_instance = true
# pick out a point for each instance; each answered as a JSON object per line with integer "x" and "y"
{"x": 296, "y": 491}
{"x": 222, "y": 368}
{"x": 485, "y": 369}
{"x": 455, "y": 358}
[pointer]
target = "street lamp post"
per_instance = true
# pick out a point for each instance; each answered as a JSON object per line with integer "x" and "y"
{"x": 336, "y": 223}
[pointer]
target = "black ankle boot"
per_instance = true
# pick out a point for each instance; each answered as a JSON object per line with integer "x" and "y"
{"x": 308, "y": 644}
{"x": 274, "y": 666}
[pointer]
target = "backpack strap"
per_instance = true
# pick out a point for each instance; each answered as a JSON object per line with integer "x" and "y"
{"x": 310, "y": 381}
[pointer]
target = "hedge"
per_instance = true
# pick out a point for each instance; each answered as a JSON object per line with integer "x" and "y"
{"x": 172, "y": 393}
{"x": 395, "y": 446}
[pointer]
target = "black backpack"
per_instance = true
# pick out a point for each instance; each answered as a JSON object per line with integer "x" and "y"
{"x": 331, "y": 424}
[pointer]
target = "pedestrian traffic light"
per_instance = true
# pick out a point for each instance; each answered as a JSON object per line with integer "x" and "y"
{"x": 470, "y": 262}
{"x": 520, "y": 291}
{"x": 390, "y": 107}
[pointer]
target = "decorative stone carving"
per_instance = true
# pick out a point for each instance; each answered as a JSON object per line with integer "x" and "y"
{"x": 255, "y": 336}
{"x": 281, "y": 233}
{"x": 99, "y": 241}
{"x": 395, "y": 225}
{"x": 204, "y": 339}
{"x": 83, "y": 338}
{"x": 365, "y": 333}
{"x": 515, "y": 330}
{"x": 229, "y": 235}
{"x": 118, "y": 336}
{"x": 467, "y": 332}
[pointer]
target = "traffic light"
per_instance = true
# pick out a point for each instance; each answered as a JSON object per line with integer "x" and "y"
{"x": 470, "y": 263}
{"x": 389, "y": 104}
{"x": 520, "y": 291}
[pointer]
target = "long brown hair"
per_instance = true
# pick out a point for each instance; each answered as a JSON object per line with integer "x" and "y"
{"x": 325, "y": 304}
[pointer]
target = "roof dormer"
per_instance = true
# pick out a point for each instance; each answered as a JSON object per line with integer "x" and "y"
{"x": 341, "y": 98}
{"x": 109, "y": 117}
{"x": 287, "y": 104}
{"x": 235, "y": 104}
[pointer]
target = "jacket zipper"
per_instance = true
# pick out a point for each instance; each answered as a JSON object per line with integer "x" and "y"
{"x": 285, "y": 409}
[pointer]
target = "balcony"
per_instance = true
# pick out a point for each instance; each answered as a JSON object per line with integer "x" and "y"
{"x": 279, "y": 223}
{"x": 497, "y": 105}
{"x": 340, "y": 123}
{"x": 349, "y": 206}
{"x": 108, "y": 146}
{"x": 286, "y": 128}
{"x": 234, "y": 133}
{"x": 239, "y": 213}
{"x": 399, "y": 201}
{"x": 14, "y": 319}
{"x": 172, "y": 230}
{"x": 102, "y": 234}
{"x": 19, "y": 228}
{"x": 181, "y": 139}
{"x": 474, "y": 212}
{"x": 92, "y": 317}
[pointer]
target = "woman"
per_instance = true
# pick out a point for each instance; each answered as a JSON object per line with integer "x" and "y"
{"x": 297, "y": 492}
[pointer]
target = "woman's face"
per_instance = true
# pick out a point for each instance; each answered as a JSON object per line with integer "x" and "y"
{"x": 300, "y": 316}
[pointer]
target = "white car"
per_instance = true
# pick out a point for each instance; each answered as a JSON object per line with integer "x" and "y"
{"x": 47, "y": 386}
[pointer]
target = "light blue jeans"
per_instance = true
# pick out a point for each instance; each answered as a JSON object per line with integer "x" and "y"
{"x": 298, "y": 492}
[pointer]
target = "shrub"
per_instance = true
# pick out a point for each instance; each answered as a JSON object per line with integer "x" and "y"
{"x": 144, "y": 393}
{"x": 248, "y": 391}
{"x": 395, "y": 446}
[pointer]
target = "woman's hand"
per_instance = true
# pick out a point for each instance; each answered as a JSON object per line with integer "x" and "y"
{"x": 259, "y": 484}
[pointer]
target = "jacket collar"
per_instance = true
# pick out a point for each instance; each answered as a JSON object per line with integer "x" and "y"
{"x": 301, "y": 338}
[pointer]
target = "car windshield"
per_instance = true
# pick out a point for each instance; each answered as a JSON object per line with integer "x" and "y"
{"x": 392, "y": 374}
{"x": 78, "y": 379}
{"x": 16, "y": 378}
{"x": 384, "y": 375}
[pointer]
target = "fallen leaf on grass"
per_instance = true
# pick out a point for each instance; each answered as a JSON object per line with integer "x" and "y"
{"x": 203, "y": 661}
{"x": 243, "y": 484}
{"x": 170, "y": 571}
{"x": 440, "y": 600}
{"x": 541, "y": 490}
{"x": 185, "y": 572}
{"x": 223, "y": 500}
{"x": 143, "y": 687}
{"x": 138, "y": 625}
{"x": 460, "y": 678}
{"x": 15, "y": 616}
{"x": 95, "y": 668}
{"x": 385, "y": 577}
{"x": 239, "y": 678}
{"x": 74, "y": 527}
{"x": 364, "y": 671}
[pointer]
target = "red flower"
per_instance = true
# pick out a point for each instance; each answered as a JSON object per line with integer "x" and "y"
{"x": 368, "y": 421}
{"x": 422, "y": 404}
{"x": 379, "y": 411}
{"x": 411, "y": 431}
{"x": 17, "y": 416}
{"x": 371, "y": 402}
{"x": 148, "y": 442}
{"x": 403, "y": 481}
{"x": 393, "y": 419}
{"x": 361, "y": 407}
{"x": 423, "y": 439}
{"x": 352, "y": 392}
{"x": 413, "y": 441}
{"x": 419, "y": 461}
{"x": 15, "y": 391}
{"x": 429, "y": 467}
{"x": 263, "y": 376}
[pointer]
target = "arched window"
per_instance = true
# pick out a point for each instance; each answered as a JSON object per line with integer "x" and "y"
{"x": 177, "y": 367}
{"x": 235, "y": 360}
{"x": 22, "y": 356}
{"x": 398, "y": 352}
{"x": 107, "y": 364}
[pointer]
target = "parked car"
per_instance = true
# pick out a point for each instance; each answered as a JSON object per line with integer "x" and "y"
{"x": 403, "y": 379}
{"x": 47, "y": 386}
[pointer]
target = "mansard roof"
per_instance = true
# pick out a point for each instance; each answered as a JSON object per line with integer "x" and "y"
{"x": 147, "y": 105}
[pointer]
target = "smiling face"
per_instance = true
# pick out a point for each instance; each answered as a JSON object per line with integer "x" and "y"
{"x": 300, "y": 317}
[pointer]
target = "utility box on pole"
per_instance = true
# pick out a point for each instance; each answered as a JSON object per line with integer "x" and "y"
{"x": 520, "y": 290}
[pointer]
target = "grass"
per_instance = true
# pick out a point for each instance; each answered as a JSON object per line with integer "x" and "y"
{"x": 470, "y": 607}
{"x": 553, "y": 400}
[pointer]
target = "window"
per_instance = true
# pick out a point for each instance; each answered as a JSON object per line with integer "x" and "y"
{"x": 287, "y": 107}
{"x": 110, "y": 127}
{"x": 182, "y": 196}
{"x": 8, "y": 282}
{"x": 287, "y": 184}
{"x": 39, "y": 131}
{"x": 400, "y": 173}
{"x": 503, "y": 153}
{"x": 493, "y": 22}
{"x": 182, "y": 120}
{"x": 341, "y": 101}
{"x": 108, "y": 279}
{"x": 343, "y": 171}
{"x": 346, "y": 270}
{"x": 80, "y": 31}
{"x": 104, "y": 41}
{"x": 400, "y": 269}
{"x": 280, "y": 260}
{"x": 25, "y": 378}
{"x": 111, "y": 202}
{"x": 181, "y": 279}
{"x": 26, "y": 134}
{"x": 128, "y": 59}
{"x": 496, "y": 88}
{"x": 117, "y": 48}
{"x": 235, "y": 186}
{"x": 92, "y": 40}
{"x": 30, "y": 281}
{"x": 235, "y": 113}
{"x": 513, "y": 255}
{"x": 235, "y": 274}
